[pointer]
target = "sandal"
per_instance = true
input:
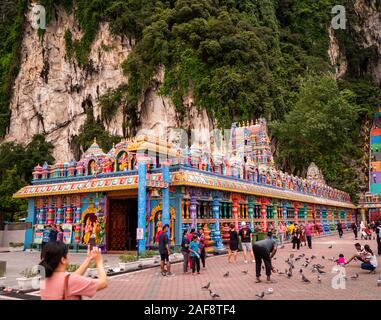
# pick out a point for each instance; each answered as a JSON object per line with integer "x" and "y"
{"x": 258, "y": 281}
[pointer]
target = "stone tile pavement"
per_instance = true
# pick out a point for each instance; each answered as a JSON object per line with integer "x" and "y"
{"x": 150, "y": 285}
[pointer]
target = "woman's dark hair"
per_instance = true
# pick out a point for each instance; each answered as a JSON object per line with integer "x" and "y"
{"x": 185, "y": 232}
{"x": 194, "y": 236}
{"x": 51, "y": 256}
{"x": 201, "y": 229}
{"x": 368, "y": 249}
{"x": 341, "y": 255}
{"x": 193, "y": 230}
{"x": 231, "y": 225}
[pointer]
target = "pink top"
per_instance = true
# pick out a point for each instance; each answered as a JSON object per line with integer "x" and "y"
{"x": 341, "y": 260}
{"x": 52, "y": 288}
{"x": 308, "y": 229}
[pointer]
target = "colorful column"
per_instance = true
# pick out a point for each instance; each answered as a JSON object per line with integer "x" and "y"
{"x": 263, "y": 215}
{"x": 216, "y": 215}
{"x": 284, "y": 209}
{"x": 296, "y": 212}
{"x": 30, "y": 218}
{"x": 142, "y": 194}
{"x": 275, "y": 215}
{"x": 305, "y": 213}
{"x": 193, "y": 211}
{"x": 251, "y": 212}
{"x": 165, "y": 192}
{"x": 362, "y": 211}
{"x": 235, "y": 211}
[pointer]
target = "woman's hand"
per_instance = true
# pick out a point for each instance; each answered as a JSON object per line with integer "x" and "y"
{"x": 96, "y": 254}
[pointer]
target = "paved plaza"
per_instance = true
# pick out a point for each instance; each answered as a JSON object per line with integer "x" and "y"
{"x": 150, "y": 285}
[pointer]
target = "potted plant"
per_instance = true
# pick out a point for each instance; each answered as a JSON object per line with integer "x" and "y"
{"x": 127, "y": 261}
{"x": 92, "y": 271}
{"x": 148, "y": 257}
{"x": 72, "y": 267}
{"x": 26, "y": 282}
{"x": 16, "y": 246}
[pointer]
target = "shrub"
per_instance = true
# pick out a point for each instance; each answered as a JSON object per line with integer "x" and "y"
{"x": 124, "y": 258}
{"x": 29, "y": 273}
{"x": 16, "y": 244}
{"x": 72, "y": 267}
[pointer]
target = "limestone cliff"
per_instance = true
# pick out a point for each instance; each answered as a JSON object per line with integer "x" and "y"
{"x": 51, "y": 92}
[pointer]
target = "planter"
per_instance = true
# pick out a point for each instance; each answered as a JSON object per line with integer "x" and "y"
{"x": 128, "y": 265}
{"x": 28, "y": 283}
{"x": 2, "y": 281}
{"x": 93, "y": 272}
{"x": 147, "y": 261}
{"x": 176, "y": 257}
{"x": 16, "y": 249}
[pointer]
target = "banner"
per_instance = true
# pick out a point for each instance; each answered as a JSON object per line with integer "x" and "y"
{"x": 38, "y": 230}
{"x": 67, "y": 230}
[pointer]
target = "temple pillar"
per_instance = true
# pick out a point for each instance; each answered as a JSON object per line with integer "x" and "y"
{"x": 193, "y": 211}
{"x": 251, "y": 212}
{"x": 142, "y": 203}
{"x": 30, "y": 218}
{"x": 284, "y": 210}
{"x": 235, "y": 206}
{"x": 216, "y": 215}
{"x": 179, "y": 219}
{"x": 296, "y": 212}
{"x": 165, "y": 194}
{"x": 263, "y": 214}
{"x": 305, "y": 213}
{"x": 275, "y": 215}
{"x": 363, "y": 217}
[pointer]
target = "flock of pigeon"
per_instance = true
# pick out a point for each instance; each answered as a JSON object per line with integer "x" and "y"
{"x": 317, "y": 269}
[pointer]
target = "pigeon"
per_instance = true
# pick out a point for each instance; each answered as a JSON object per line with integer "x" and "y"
{"x": 319, "y": 279}
{"x": 379, "y": 281}
{"x": 300, "y": 271}
{"x": 304, "y": 279}
{"x": 355, "y": 276}
{"x": 291, "y": 255}
{"x": 226, "y": 274}
{"x": 330, "y": 247}
{"x": 261, "y": 295}
{"x": 206, "y": 286}
{"x": 297, "y": 259}
{"x": 323, "y": 257}
{"x": 270, "y": 291}
{"x": 320, "y": 271}
{"x": 289, "y": 275}
{"x": 313, "y": 257}
{"x": 214, "y": 294}
{"x": 245, "y": 271}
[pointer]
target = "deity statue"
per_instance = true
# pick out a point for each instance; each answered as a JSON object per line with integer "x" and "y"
{"x": 123, "y": 162}
{"x": 88, "y": 228}
{"x": 92, "y": 168}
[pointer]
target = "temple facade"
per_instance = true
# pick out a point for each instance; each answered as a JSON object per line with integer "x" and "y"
{"x": 143, "y": 184}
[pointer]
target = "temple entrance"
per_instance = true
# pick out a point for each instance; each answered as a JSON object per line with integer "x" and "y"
{"x": 123, "y": 221}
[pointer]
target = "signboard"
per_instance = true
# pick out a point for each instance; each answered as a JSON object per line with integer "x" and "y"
{"x": 67, "y": 231}
{"x": 139, "y": 234}
{"x": 38, "y": 230}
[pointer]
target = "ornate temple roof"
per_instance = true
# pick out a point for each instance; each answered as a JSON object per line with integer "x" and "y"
{"x": 94, "y": 150}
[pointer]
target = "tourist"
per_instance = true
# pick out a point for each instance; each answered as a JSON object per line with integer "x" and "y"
{"x": 53, "y": 233}
{"x": 60, "y": 234}
{"x": 370, "y": 262}
{"x": 291, "y": 228}
{"x": 264, "y": 250}
{"x": 354, "y": 229}
{"x": 190, "y": 237}
{"x": 233, "y": 243}
{"x": 295, "y": 238}
{"x": 201, "y": 240}
{"x": 281, "y": 230}
{"x": 341, "y": 261}
{"x": 308, "y": 231}
{"x": 59, "y": 285}
{"x": 340, "y": 229}
{"x": 302, "y": 236}
{"x": 378, "y": 238}
{"x": 359, "y": 255}
{"x": 194, "y": 249}
{"x": 185, "y": 250}
{"x": 45, "y": 238}
{"x": 246, "y": 235}
{"x": 165, "y": 252}
{"x": 362, "y": 230}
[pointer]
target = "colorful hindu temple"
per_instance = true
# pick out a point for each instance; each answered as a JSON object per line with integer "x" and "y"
{"x": 142, "y": 184}
{"x": 370, "y": 202}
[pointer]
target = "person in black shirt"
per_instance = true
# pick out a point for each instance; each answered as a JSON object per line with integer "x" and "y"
{"x": 296, "y": 238}
{"x": 264, "y": 250}
{"x": 233, "y": 243}
{"x": 185, "y": 250}
{"x": 245, "y": 234}
{"x": 354, "y": 229}
{"x": 164, "y": 251}
{"x": 53, "y": 233}
{"x": 340, "y": 229}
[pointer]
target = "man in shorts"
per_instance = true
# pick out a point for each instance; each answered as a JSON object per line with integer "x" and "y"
{"x": 246, "y": 235}
{"x": 165, "y": 252}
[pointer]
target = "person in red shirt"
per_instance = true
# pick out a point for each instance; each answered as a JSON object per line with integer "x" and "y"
{"x": 308, "y": 230}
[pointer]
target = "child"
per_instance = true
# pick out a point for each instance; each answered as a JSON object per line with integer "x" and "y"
{"x": 194, "y": 249}
{"x": 341, "y": 261}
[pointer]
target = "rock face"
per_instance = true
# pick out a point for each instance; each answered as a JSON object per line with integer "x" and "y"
{"x": 51, "y": 92}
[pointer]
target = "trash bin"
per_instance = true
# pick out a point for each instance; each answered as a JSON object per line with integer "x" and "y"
{"x": 3, "y": 268}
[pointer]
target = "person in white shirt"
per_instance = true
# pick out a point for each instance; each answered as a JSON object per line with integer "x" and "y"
{"x": 370, "y": 260}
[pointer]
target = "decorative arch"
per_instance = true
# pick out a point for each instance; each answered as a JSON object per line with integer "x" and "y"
{"x": 156, "y": 226}
{"x": 172, "y": 212}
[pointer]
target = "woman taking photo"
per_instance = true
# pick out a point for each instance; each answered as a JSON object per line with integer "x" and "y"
{"x": 233, "y": 243}
{"x": 60, "y": 285}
